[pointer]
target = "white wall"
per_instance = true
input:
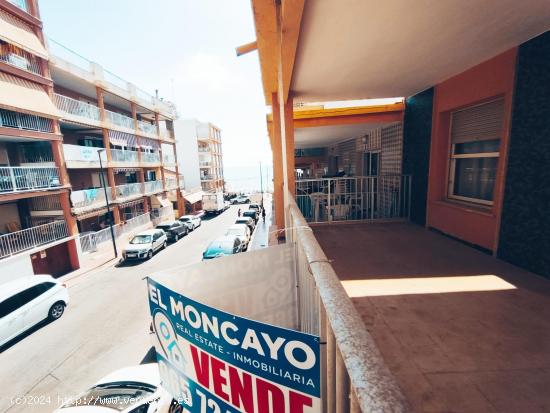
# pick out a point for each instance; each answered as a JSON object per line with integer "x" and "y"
{"x": 15, "y": 267}
{"x": 188, "y": 152}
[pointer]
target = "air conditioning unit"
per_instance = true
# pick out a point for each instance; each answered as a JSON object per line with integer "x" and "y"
{"x": 18, "y": 61}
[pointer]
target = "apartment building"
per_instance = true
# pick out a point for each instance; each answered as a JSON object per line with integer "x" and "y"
{"x": 109, "y": 123}
{"x": 63, "y": 120}
{"x": 435, "y": 298}
{"x": 200, "y": 153}
{"x": 37, "y": 226}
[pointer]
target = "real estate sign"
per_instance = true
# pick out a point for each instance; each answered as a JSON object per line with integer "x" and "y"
{"x": 214, "y": 361}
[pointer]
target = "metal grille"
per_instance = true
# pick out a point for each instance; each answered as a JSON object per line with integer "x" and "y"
{"x": 355, "y": 198}
{"x": 17, "y": 120}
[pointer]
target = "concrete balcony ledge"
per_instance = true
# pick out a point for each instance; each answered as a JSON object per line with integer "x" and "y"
{"x": 460, "y": 330}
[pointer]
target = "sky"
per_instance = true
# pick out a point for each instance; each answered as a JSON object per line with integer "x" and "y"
{"x": 186, "y": 50}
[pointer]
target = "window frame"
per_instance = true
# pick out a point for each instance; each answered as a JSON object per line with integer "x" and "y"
{"x": 452, "y": 172}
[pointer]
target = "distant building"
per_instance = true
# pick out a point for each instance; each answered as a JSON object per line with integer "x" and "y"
{"x": 199, "y": 152}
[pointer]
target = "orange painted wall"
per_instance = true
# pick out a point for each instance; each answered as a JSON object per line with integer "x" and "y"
{"x": 484, "y": 82}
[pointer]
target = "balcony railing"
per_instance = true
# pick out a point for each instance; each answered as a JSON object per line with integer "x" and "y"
{"x": 19, "y": 58}
{"x": 129, "y": 190}
{"x": 77, "y": 153}
{"x": 171, "y": 183}
{"x": 77, "y": 108}
{"x": 16, "y": 242}
{"x": 207, "y": 177}
{"x": 147, "y": 128}
{"x": 204, "y": 150}
{"x": 165, "y": 134}
{"x": 205, "y": 164}
{"x": 354, "y": 198}
{"x": 28, "y": 178}
{"x": 355, "y": 377}
{"x": 148, "y": 157}
{"x": 118, "y": 155}
{"x": 168, "y": 159}
{"x": 153, "y": 187}
{"x": 16, "y": 120}
{"x": 22, "y": 4}
{"x": 94, "y": 197}
{"x": 119, "y": 120}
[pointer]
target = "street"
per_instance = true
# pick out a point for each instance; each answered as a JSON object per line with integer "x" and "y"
{"x": 105, "y": 327}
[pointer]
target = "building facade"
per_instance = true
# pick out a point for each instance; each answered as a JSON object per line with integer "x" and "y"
{"x": 200, "y": 151}
{"x": 64, "y": 119}
{"x": 37, "y": 226}
{"x": 109, "y": 123}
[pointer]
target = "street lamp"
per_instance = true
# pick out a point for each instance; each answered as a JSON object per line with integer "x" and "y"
{"x": 102, "y": 178}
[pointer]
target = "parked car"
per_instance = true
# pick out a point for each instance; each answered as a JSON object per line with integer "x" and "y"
{"x": 242, "y": 231}
{"x": 223, "y": 246}
{"x": 248, "y": 221}
{"x": 241, "y": 199}
{"x": 135, "y": 389}
{"x": 252, "y": 213}
{"x": 256, "y": 207}
{"x": 226, "y": 204}
{"x": 192, "y": 221}
{"x": 145, "y": 244}
{"x": 29, "y": 300}
{"x": 174, "y": 230}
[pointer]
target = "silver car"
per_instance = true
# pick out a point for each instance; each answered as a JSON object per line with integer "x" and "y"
{"x": 143, "y": 245}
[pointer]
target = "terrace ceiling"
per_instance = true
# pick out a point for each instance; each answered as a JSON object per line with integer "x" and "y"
{"x": 355, "y": 49}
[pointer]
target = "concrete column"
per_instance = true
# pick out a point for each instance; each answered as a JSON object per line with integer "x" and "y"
{"x": 59, "y": 160}
{"x": 278, "y": 190}
{"x": 116, "y": 214}
{"x": 288, "y": 108}
{"x": 67, "y": 216}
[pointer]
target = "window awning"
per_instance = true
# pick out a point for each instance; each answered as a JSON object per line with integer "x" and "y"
{"x": 157, "y": 201}
{"x": 24, "y": 96}
{"x": 18, "y": 33}
{"x": 122, "y": 139}
{"x": 193, "y": 197}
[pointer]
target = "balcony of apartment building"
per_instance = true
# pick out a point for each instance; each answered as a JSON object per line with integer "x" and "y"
{"x": 30, "y": 223}
{"x": 28, "y": 167}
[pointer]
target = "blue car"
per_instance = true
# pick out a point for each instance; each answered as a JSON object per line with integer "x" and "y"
{"x": 223, "y": 246}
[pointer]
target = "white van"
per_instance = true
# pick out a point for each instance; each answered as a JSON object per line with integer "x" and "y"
{"x": 29, "y": 300}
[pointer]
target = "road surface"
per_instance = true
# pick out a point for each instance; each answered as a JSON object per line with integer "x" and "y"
{"x": 104, "y": 328}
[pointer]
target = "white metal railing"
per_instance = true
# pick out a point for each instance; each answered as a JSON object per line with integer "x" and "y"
{"x": 24, "y": 121}
{"x": 129, "y": 190}
{"x": 150, "y": 157}
{"x": 118, "y": 119}
{"x": 354, "y": 198}
{"x": 90, "y": 197}
{"x": 168, "y": 158}
{"x": 153, "y": 186}
{"x": 28, "y": 178}
{"x": 14, "y": 56}
{"x": 26, "y": 239}
{"x": 354, "y": 377}
{"x": 118, "y": 155}
{"x": 76, "y": 107}
{"x": 83, "y": 153}
{"x": 171, "y": 183}
{"x": 204, "y": 150}
{"x": 22, "y": 4}
{"x": 165, "y": 134}
{"x": 205, "y": 164}
{"x": 207, "y": 177}
{"x": 147, "y": 128}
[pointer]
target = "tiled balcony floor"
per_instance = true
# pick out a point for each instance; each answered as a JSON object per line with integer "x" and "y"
{"x": 460, "y": 330}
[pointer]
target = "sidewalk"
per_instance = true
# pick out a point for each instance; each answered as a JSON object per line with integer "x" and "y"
{"x": 261, "y": 233}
